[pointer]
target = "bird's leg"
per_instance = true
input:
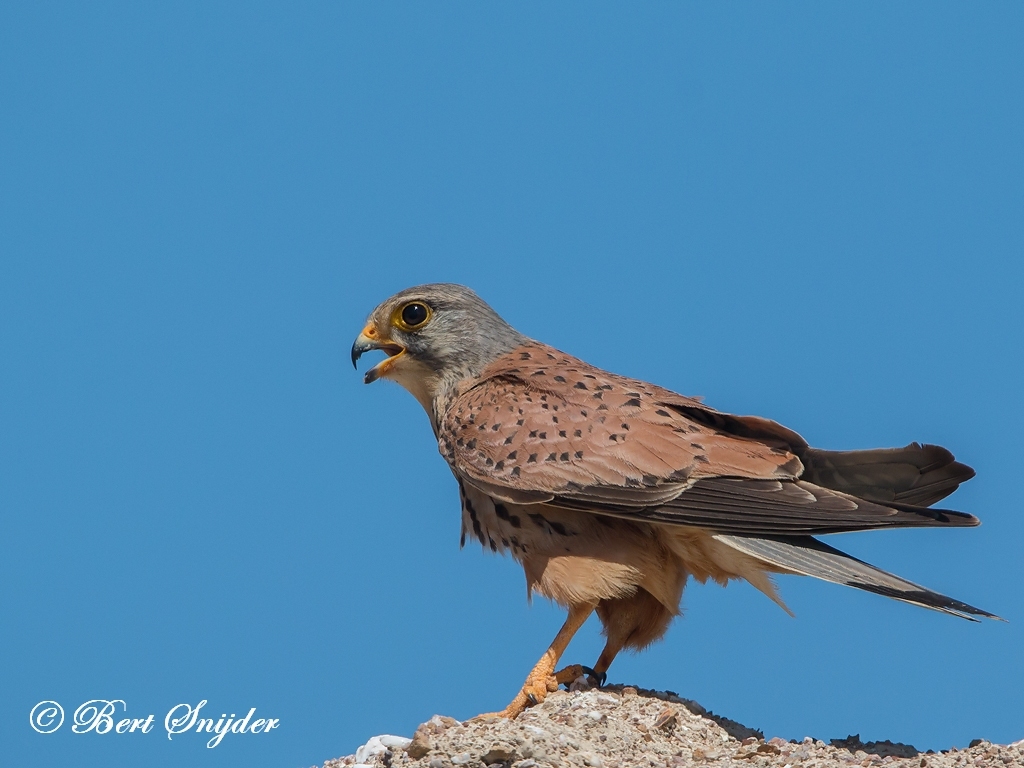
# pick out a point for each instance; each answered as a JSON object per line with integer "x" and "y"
{"x": 600, "y": 671}
{"x": 543, "y": 679}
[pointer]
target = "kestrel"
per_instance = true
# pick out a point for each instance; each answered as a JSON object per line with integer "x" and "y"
{"x": 612, "y": 492}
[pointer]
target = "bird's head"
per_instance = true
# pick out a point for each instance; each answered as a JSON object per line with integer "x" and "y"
{"x": 434, "y": 336}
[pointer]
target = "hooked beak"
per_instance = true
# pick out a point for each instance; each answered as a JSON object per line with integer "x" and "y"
{"x": 368, "y": 340}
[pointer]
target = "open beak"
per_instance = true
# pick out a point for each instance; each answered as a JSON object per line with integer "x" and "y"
{"x": 369, "y": 340}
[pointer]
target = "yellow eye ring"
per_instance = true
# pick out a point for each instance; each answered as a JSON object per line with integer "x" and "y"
{"x": 412, "y": 315}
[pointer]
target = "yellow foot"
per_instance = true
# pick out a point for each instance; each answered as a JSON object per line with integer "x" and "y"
{"x": 543, "y": 679}
{"x": 535, "y": 690}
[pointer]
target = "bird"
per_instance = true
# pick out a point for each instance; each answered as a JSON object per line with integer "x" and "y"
{"x": 612, "y": 492}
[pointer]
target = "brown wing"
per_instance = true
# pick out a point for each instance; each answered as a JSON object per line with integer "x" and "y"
{"x": 542, "y": 426}
{"x": 543, "y": 422}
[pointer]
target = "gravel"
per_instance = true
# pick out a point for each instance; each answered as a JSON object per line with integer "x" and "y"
{"x": 626, "y": 727}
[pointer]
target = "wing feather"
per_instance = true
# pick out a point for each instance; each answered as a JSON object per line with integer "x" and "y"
{"x": 540, "y": 421}
{"x": 541, "y": 426}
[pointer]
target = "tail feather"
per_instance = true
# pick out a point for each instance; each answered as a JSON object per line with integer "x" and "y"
{"x": 807, "y": 556}
{"x": 915, "y": 474}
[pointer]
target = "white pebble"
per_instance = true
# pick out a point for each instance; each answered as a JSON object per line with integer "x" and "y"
{"x": 393, "y": 742}
{"x": 369, "y": 749}
{"x": 462, "y": 758}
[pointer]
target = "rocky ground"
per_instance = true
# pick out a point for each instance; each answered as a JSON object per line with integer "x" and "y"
{"x": 622, "y": 727}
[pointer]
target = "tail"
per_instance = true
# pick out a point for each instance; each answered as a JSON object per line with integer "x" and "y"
{"x": 918, "y": 474}
{"x": 807, "y": 556}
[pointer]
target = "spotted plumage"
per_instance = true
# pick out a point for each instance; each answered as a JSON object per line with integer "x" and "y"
{"x": 613, "y": 492}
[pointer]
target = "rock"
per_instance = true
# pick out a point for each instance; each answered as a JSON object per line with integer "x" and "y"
{"x": 580, "y": 684}
{"x": 666, "y": 719}
{"x": 420, "y": 743}
{"x": 628, "y": 727}
{"x": 394, "y": 742}
{"x": 498, "y": 754}
{"x": 370, "y": 749}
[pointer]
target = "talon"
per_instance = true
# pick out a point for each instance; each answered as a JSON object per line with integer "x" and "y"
{"x": 599, "y": 678}
{"x": 532, "y": 699}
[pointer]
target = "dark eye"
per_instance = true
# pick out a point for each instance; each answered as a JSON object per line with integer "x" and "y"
{"x": 415, "y": 314}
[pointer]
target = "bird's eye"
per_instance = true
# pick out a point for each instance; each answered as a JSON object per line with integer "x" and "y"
{"x": 415, "y": 314}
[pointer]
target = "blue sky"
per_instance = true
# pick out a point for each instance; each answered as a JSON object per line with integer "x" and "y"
{"x": 811, "y": 212}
